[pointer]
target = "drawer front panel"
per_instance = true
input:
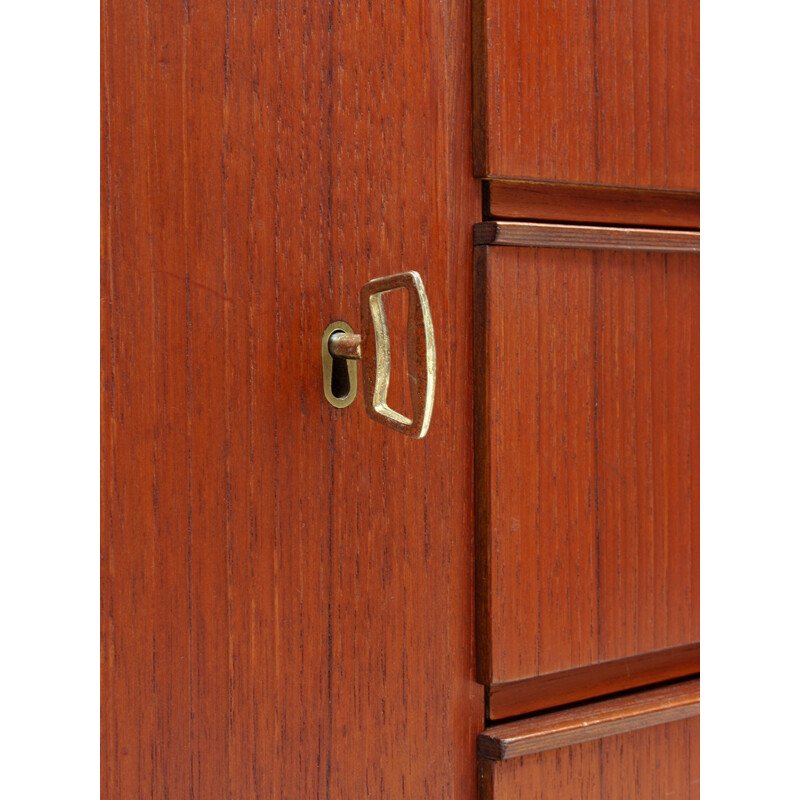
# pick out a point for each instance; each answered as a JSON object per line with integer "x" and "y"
{"x": 643, "y": 745}
{"x": 588, "y": 92}
{"x": 649, "y": 764}
{"x": 587, "y": 457}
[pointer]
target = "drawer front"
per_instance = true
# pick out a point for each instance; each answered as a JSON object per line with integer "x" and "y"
{"x": 659, "y": 762}
{"x": 641, "y": 747}
{"x": 650, "y": 764}
{"x": 587, "y": 464}
{"x": 587, "y": 92}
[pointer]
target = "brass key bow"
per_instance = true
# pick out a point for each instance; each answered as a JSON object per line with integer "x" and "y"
{"x": 373, "y": 349}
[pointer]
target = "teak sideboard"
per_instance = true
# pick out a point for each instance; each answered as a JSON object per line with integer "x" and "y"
{"x": 300, "y": 602}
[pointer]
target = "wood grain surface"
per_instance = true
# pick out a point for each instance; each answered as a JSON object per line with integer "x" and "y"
{"x": 287, "y": 588}
{"x": 588, "y": 237}
{"x": 656, "y": 763}
{"x": 587, "y": 457}
{"x": 514, "y": 698}
{"x": 561, "y": 202}
{"x": 590, "y": 721}
{"x": 588, "y": 92}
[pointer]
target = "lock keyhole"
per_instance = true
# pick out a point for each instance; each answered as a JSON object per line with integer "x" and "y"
{"x": 339, "y": 375}
{"x": 340, "y": 378}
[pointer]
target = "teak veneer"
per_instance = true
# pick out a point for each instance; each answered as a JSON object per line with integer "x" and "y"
{"x": 580, "y": 92}
{"x": 611, "y": 205}
{"x": 586, "y": 451}
{"x": 286, "y": 588}
{"x": 590, "y": 721}
{"x": 640, "y": 746}
{"x": 289, "y": 591}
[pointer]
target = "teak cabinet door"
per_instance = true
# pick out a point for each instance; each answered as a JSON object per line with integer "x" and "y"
{"x": 588, "y": 92}
{"x": 587, "y": 415}
{"x": 287, "y": 587}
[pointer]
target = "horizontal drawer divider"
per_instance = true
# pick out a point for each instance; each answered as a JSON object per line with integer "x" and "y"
{"x": 590, "y": 721}
{"x": 514, "y": 698}
{"x": 590, "y": 203}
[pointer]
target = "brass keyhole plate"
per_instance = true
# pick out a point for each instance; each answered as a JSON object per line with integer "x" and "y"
{"x": 339, "y": 375}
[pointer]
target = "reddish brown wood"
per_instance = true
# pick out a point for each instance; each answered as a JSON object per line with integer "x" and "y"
{"x": 589, "y": 237}
{"x": 587, "y": 92}
{"x": 590, "y": 721}
{"x": 656, "y": 763}
{"x": 512, "y": 699}
{"x": 287, "y": 588}
{"x": 561, "y": 202}
{"x": 587, "y": 457}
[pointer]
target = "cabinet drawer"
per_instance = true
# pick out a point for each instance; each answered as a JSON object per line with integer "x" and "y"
{"x": 640, "y": 747}
{"x": 587, "y": 92}
{"x": 587, "y": 459}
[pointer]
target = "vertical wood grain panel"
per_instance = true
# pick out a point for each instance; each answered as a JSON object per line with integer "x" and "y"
{"x": 653, "y": 763}
{"x": 588, "y": 92}
{"x": 287, "y": 588}
{"x": 588, "y": 464}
